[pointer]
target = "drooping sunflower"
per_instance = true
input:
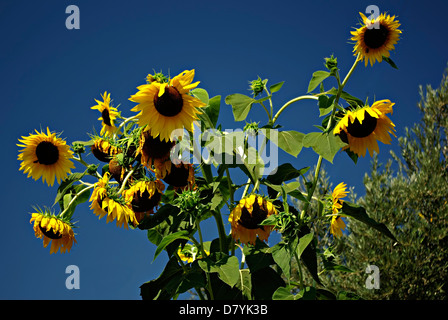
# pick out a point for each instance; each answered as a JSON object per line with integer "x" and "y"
{"x": 154, "y": 151}
{"x": 104, "y": 203}
{"x": 45, "y": 155}
{"x": 376, "y": 38}
{"x": 246, "y": 217}
{"x": 167, "y": 106}
{"x": 363, "y": 127}
{"x": 337, "y": 224}
{"x": 54, "y": 229}
{"x": 108, "y": 115}
{"x": 180, "y": 176}
{"x": 103, "y": 149}
{"x": 144, "y": 196}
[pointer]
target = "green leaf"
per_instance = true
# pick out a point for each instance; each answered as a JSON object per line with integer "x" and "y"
{"x": 347, "y": 97}
{"x": 67, "y": 184}
{"x": 304, "y": 241}
{"x": 359, "y": 213}
{"x": 201, "y": 94}
{"x": 241, "y": 105}
{"x": 290, "y": 142}
{"x": 226, "y": 267}
{"x": 317, "y": 78}
{"x": 283, "y": 293}
{"x": 285, "y": 172}
{"x": 282, "y": 257}
{"x": 165, "y": 286}
{"x": 325, "y": 104}
{"x": 258, "y": 256}
{"x": 390, "y": 62}
{"x": 213, "y": 108}
{"x": 324, "y": 144}
{"x": 169, "y": 239}
{"x": 276, "y": 87}
{"x": 265, "y": 282}
{"x": 245, "y": 283}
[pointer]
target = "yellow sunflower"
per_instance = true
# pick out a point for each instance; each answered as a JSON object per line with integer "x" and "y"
{"x": 154, "y": 151}
{"x": 54, "y": 229}
{"x": 337, "y": 224}
{"x": 167, "y": 106}
{"x": 144, "y": 196}
{"x": 46, "y": 156}
{"x": 363, "y": 127}
{"x": 372, "y": 42}
{"x": 180, "y": 176}
{"x": 246, "y": 217}
{"x": 105, "y": 204}
{"x": 189, "y": 253}
{"x": 103, "y": 149}
{"x": 108, "y": 115}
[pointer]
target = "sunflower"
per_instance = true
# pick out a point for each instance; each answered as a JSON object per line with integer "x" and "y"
{"x": 103, "y": 149}
{"x": 46, "y": 156}
{"x": 108, "y": 115}
{"x": 337, "y": 224}
{"x": 372, "y": 42}
{"x": 167, "y": 106}
{"x": 189, "y": 253}
{"x": 154, "y": 151}
{"x": 180, "y": 176}
{"x": 144, "y": 196}
{"x": 54, "y": 229}
{"x": 104, "y": 203}
{"x": 246, "y": 217}
{"x": 363, "y": 127}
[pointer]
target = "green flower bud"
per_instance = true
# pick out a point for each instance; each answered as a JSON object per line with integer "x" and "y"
{"x": 257, "y": 86}
{"x": 331, "y": 63}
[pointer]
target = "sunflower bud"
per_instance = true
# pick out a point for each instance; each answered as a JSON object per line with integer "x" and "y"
{"x": 251, "y": 128}
{"x": 331, "y": 63}
{"x": 257, "y": 86}
{"x": 157, "y": 77}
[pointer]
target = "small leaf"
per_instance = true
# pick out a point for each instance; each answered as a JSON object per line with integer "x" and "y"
{"x": 324, "y": 144}
{"x": 283, "y": 293}
{"x": 212, "y": 110}
{"x": 390, "y": 62}
{"x": 276, "y": 87}
{"x": 169, "y": 239}
{"x": 317, "y": 78}
{"x": 201, "y": 94}
{"x": 241, "y": 105}
{"x": 303, "y": 243}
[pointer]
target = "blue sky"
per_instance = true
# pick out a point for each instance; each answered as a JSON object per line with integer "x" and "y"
{"x": 50, "y": 76}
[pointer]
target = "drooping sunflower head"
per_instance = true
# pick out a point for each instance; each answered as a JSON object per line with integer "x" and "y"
{"x": 168, "y": 106}
{"x": 45, "y": 155}
{"x": 144, "y": 196}
{"x": 108, "y": 115}
{"x": 246, "y": 217}
{"x": 104, "y": 149}
{"x": 180, "y": 176}
{"x": 375, "y": 38}
{"x": 153, "y": 151}
{"x": 105, "y": 202}
{"x": 337, "y": 224}
{"x": 363, "y": 127}
{"x": 54, "y": 229}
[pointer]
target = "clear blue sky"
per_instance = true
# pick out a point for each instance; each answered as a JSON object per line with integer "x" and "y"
{"x": 50, "y": 76}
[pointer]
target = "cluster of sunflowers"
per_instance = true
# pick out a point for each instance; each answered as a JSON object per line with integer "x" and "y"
{"x": 142, "y": 185}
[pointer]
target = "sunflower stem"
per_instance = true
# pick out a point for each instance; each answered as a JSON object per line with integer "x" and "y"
{"x": 123, "y": 185}
{"x": 287, "y": 104}
{"x": 73, "y": 200}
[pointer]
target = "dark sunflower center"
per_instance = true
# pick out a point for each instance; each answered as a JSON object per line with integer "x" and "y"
{"x": 375, "y": 38}
{"x": 252, "y": 221}
{"x": 143, "y": 202}
{"x": 358, "y": 130}
{"x": 50, "y": 233}
{"x": 170, "y": 103}
{"x": 47, "y": 153}
{"x": 178, "y": 177}
{"x": 155, "y": 148}
{"x": 106, "y": 117}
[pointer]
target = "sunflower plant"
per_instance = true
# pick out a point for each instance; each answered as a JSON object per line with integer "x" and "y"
{"x": 135, "y": 174}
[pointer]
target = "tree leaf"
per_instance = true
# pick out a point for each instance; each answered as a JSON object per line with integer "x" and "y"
{"x": 324, "y": 144}
{"x": 241, "y": 105}
{"x": 317, "y": 78}
{"x": 359, "y": 213}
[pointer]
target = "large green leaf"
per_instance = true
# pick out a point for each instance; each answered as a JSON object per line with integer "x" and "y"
{"x": 359, "y": 213}
{"x": 245, "y": 283}
{"x": 324, "y": 144}
{"x": 282, "y": 257}
{"x": 169, "y": 239}
{"x": 289, "y": 141}
{"x": 317, "y": 78}
{"x": 67, "y": 184}
{"x": 284, "y": 173}
{"x": 212, "y": 110}
{"x": 165, "y": 286}
{"x": 241, "y": 105}
{"x": 226, "y": 267}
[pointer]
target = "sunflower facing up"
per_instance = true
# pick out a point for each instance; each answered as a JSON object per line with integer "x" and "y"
{"x": 167, "y": 106}
{"x": 108, "y": 115}
{"x": 105, "y": 203}
{"x": 46, "y": 156}
{"x": 363, "y": 127}
{"x": 375, "y": 38}
{"x": 246, "y": 217}
{"x": 144, "y": 196}
{"x": 54, "y": 229}
{"x": 337, "y": 224}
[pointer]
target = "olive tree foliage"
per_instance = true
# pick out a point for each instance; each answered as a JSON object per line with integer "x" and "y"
{"x": 409, "y": 194}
